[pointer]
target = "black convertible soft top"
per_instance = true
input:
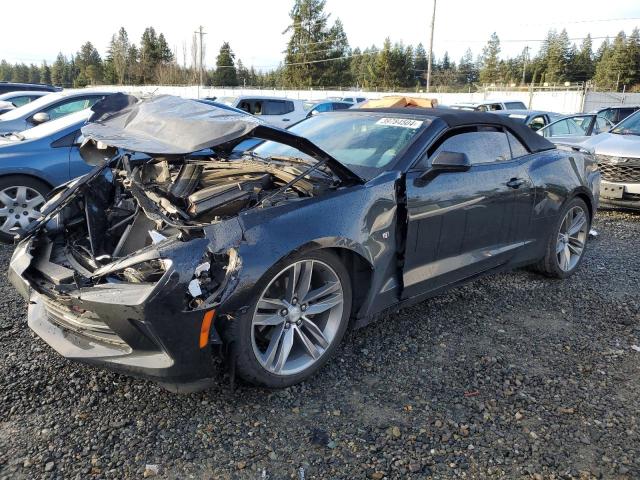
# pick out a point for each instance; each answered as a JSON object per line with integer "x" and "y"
{"x": 461, "y": 118}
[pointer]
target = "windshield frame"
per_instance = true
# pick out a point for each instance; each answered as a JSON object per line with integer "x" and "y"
{"x": 364, "y": 171}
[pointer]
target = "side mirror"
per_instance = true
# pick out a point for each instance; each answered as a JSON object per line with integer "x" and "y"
{"x": 451, "y": 162}
{"x": 40, "y": 117}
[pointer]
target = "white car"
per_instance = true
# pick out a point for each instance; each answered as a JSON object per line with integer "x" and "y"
{"x": 49, "y": 107}
{"x": 490, "y": 105}
{"x": 13, "y": 100}
{"x": 278, "y": 111}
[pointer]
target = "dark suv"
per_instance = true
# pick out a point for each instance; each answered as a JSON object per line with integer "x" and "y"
{"x": 6, "y": 87}
{"x": 616, "y": 114}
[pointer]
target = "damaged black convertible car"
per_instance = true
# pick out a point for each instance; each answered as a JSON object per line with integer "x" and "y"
{"x": 175, "y": 248}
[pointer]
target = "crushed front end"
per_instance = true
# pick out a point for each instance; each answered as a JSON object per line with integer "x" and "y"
{"x": 129, "y": 270}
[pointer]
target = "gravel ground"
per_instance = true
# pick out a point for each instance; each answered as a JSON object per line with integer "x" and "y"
{"x": 512, "y": 376}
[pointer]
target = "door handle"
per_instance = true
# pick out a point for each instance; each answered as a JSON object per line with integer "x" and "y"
{"x": 285, "y": 120}
{"x": 515, "y": 183}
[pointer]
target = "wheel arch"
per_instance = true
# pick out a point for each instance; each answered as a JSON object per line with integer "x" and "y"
{"x": 584, "y": 195}
{"x": 28, "y": 175}
{"x": 359, "y": 267}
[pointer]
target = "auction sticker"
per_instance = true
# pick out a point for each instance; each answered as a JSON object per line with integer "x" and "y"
{"x": 400, "y": 122}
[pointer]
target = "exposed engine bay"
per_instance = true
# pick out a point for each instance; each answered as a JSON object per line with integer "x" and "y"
{"x": 140, "y": 203}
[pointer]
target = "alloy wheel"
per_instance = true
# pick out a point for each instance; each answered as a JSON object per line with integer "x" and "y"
{"x": 297, "y": 317}
{"x": 572, "y": 238}
{"x": 19, "y": 206}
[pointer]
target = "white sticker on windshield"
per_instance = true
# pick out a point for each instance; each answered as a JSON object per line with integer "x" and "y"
{"x": 400, "y": 122}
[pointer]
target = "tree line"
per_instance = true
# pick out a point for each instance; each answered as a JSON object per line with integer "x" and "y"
{"x": 318, "y": 55}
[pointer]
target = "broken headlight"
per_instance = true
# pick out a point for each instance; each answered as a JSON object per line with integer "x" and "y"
{"x": 144, "y": 272}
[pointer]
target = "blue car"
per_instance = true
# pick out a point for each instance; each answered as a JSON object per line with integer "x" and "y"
{"x": 33, "y": 162}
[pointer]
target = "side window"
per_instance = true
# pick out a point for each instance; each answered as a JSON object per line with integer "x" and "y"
{"x": 20, "y": 101}
{"x": 559, "y": 128}
{"x": 71, "y": 106}
{"x": 289, "y": 107}
{"x": 480, "y": 147}
{"x": 609, "y": 114}
{"x": 494, "y": 106}
{"x": 323, "y": 107}
{"x": 360, "y": 99}
{"x": 340, "y": 106}
{"x": 537, "y": 123}
{"x": 602, "y": 125}
{"x": 274, "y": 107}
{"x": 624, "y": 113}
{"x": 517, "y": 148}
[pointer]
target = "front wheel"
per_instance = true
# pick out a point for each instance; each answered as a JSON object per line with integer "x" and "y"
{"x": 20, "y": 200}
{"x": 296, "y": 322}
{"x": 568, "y": 240}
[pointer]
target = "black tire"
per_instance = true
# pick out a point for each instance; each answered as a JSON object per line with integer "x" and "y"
{"x": 549, "y": 265}
{"x": 20, "y": 181}
{"x": 238, "y": 333}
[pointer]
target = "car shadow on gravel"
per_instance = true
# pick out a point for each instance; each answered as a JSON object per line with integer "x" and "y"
{"x": 511, "y": 376}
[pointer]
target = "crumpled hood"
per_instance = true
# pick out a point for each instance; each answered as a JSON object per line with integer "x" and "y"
{"x": 615, "y": 145}
{"x": 168, "y": 125}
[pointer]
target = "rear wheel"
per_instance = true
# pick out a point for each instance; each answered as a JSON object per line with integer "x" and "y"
{"x": 20, "y": 200}
{"x": 296, "y": 322}
{"x": 567, "y": 242}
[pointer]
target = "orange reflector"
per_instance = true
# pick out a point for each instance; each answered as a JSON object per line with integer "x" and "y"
{"x": 206, "y": 326}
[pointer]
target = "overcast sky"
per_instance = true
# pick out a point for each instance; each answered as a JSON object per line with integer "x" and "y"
{"x": 254, "y": 27}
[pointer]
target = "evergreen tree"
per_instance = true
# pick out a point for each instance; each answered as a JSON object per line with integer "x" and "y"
{"x": 312, "y": 45}
{"x": 583, "y": 67}
{"x": 89, "y": 65}
{"x": 148, "y": 54}
{"x": 225, "y": 74}
{"x": 45, "y": 73}
{"x": 468, "y": 73}
{"x": 633, "y": 53}
{"x": 118, "y": 55}
{"x": 336, "y": 72}
{"x": 58, "y": 70}
{"x": 6, "y": 71}
{"x": 489, "y": 71}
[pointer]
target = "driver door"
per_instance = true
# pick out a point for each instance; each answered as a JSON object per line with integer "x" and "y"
{"x": 463, "y": 223}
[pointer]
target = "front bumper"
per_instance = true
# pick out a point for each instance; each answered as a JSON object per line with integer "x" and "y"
{"x": 620, "y": 195}
{"x": 138, "y": 329}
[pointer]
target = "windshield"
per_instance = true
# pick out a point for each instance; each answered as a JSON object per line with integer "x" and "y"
{"x": 306, "y": 106}
{"x": 629, "y": 126}
{"x": 366, "y": 143}
{"x": 515, "y": 106}
{"x": 34, "y": 106}
{"x": 227, "y": 100}
{"x": 53, "y": 126}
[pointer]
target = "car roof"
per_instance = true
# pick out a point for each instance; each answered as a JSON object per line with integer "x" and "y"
{"x": 617, "y": 107}
{"x": 265, "y": 97}
{"x": 522, "y": 111}
{"x": 19, "y": 93}
{"x": 460, "y": 118}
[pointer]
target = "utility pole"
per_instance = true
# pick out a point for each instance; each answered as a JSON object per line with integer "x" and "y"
{"x": 524, "y": 62}
{"x": 201, "y": 32}
{"x": 433, "y": 22}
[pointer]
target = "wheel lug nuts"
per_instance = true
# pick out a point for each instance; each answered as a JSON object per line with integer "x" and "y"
{"x": 284, "y": 312}
{"x": 299, "y": 322}
{"x": 294, "y": 301}
{"x": 303, "y": 307}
